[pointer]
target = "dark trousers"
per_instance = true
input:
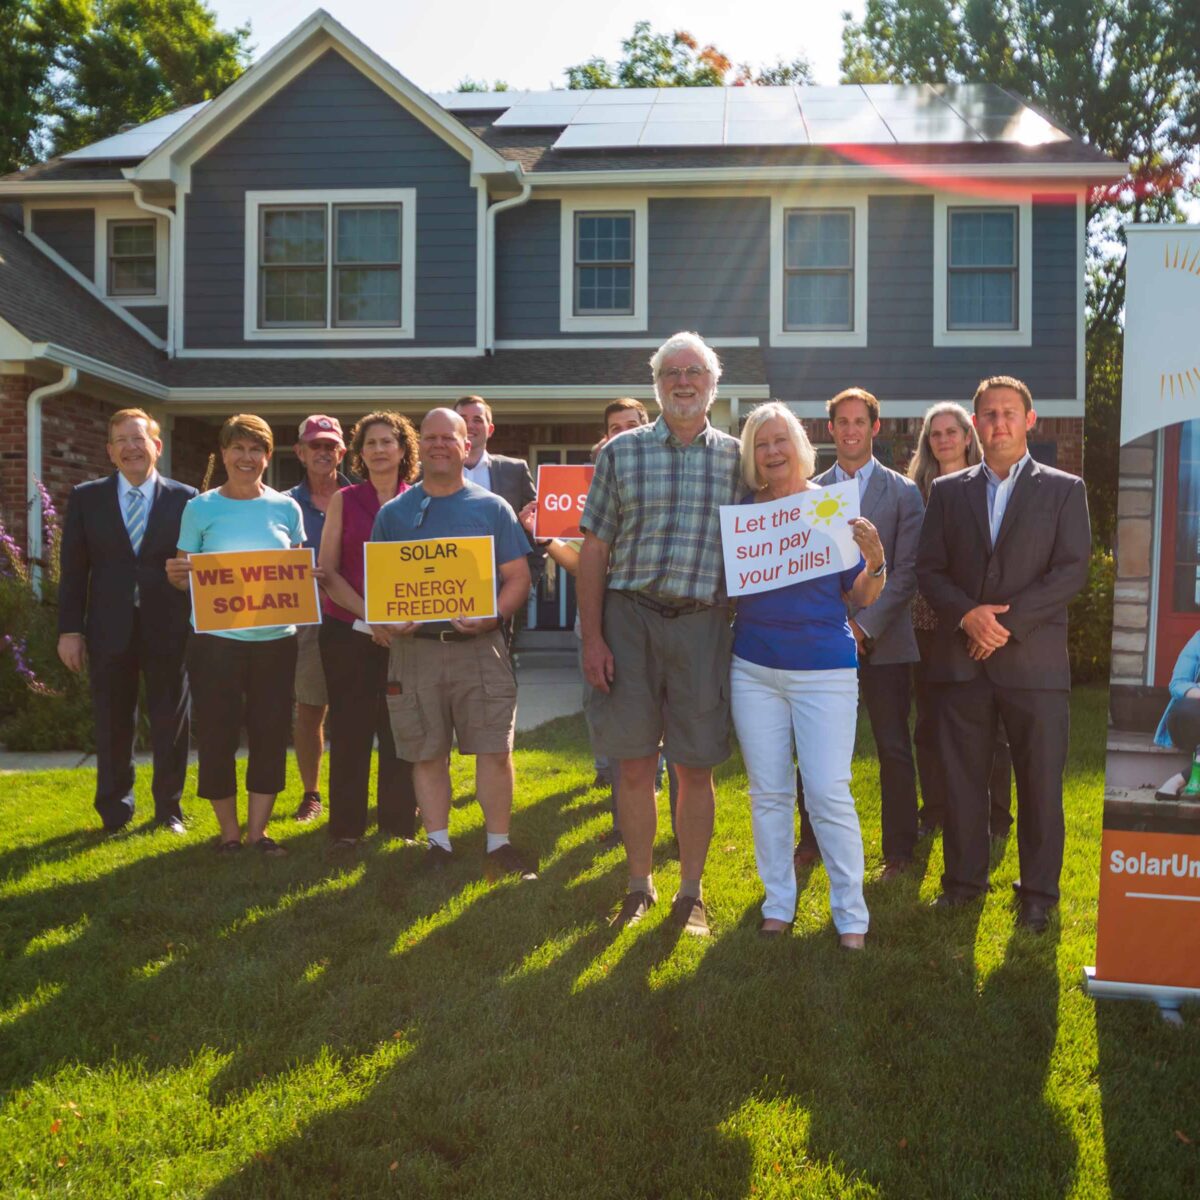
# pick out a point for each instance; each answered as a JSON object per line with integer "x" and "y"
{"x": 356, "y": 681}
{"x": 231, "y": 679}
{"x": 885, "y": 690}
{"x": 1183, "y": 724}
{"x": 114, "y": 681}
{"x": 929, "y": 755}
{"x": 1038, "y": 724}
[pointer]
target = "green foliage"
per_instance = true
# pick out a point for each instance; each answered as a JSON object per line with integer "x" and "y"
{"x": 75, "y": 71}
{"x": 1102, "y": 430}
{"x": 1090, "y": 622}
{"x": 467, "y": 84}
{"x": 798, "y": 70}
{"x": 654, "y": 60}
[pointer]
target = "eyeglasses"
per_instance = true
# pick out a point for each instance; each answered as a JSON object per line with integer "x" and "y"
{"x": 674, "y": 374}
{"x": 419, "y": 519}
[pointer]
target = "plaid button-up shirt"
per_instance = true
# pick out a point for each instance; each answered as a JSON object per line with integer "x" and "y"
{"x": 656, "y": 503}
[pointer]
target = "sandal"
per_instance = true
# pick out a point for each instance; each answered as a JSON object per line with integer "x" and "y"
{"x": 269, "y": 847}
{"x": 227, "y": 847}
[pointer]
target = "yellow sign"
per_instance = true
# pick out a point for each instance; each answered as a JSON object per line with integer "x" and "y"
{"x": 252, "y": 589}
{"x": 433, "y": 580}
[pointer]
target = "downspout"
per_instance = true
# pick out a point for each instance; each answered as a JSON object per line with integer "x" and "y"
{"x": 141, "y": 202}
{"x": 33, "y": 469}
{"x": 489, "y": 340}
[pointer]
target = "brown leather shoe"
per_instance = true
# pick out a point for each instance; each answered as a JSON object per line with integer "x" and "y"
{"x": 893, "y": 868}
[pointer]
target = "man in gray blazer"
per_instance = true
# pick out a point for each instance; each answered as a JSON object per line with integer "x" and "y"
{"x": 886, "y": 644}
{"x": 1004, "y": 548}
{"x": 505, "y": 477}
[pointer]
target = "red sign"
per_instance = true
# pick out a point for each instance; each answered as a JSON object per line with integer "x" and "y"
{"x": 561, "y": 494}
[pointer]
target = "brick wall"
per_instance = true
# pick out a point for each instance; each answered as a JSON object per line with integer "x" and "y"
{"x": 14, "y": 391}
{"x": 192, "y": 440}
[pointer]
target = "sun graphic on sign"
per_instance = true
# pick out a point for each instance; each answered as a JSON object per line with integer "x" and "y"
{"x": 826, "y": 510}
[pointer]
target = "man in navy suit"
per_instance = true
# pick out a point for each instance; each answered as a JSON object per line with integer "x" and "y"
{"x": 1004, "y": 548}
{"x": 118, "y": 614}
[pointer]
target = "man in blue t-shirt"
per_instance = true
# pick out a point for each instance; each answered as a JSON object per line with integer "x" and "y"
{"x": 453, "y": 679}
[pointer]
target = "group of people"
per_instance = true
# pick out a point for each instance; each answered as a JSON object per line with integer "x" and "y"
{"x": 981, "y": 549}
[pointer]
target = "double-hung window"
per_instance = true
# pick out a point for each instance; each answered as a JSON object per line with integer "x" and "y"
{"x": 982, "y": 268}
{"x": 604, "y": 257}
{"x": 132, "y": 258}
{"x": 818, "y": 269}
{"x": 339, "y": 262}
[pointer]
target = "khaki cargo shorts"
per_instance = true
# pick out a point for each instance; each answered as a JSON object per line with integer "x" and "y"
{"x": 670, "y": 684}
{"x": 310, "y": 675}
{"x": 441, "y": 691}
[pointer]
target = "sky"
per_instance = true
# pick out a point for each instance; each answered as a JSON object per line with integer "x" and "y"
{"x": 528, "y": 43}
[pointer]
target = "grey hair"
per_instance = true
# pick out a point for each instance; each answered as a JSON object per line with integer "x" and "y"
{"x": 806, "y": 456}
{"x": 923, "y": 468}
{"x": 685, "y": 340}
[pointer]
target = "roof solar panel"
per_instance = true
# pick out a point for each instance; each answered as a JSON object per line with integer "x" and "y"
{"x": 750, "y": 95}
{"x": 767, "y": 110}
{"x": 594, "y": 137}
{"x": 766, "y": 133}
{"x": 619, "y": 95}
{"x": 565, "y": 96}
{"x": 476, "y": 101}
{"x": 687, "y": 112}
{"x": 536, "y": 116}
{"x": 867, "y": 129}
{"x": 1025, "y": 129}
{"x": 683, "y": 133}
{"x": 601, "y": 114}
{"x": 933, "y": 127}
{"x": 819, "y": 93}
{"x": 690, "y": 95}
{"x": 139, "y": 141}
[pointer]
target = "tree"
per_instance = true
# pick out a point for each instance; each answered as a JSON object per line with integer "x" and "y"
{"x": 467, "y": 84}
{"x": 133, "y": 60}
{"x": 23, "y": 83}
{"x": 654, "y": 60}
{"x": 1124, "y": 74}
{"x": 799, "y": 70}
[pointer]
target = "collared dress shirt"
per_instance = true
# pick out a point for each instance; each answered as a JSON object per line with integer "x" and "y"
{"x": 146, "y": 488}
{"x": 481, "y": 472}
{"x": 998, "y": 492}
{"x": 862, "y": 475}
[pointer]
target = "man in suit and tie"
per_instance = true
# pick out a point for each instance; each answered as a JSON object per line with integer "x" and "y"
{"x": 1004, "y": 548}
{"x": 507, "y": 478}
{"x": 887, "y": 646}
{"x": 118, "y": 614}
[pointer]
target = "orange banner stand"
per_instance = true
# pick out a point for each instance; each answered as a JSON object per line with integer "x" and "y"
{"x": 1149, "y": 919}
{"x": 253, "y": 589}
{"x": 561, "y": 494}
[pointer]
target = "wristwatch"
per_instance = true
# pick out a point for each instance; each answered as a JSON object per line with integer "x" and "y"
{"x": 880, "y": 572}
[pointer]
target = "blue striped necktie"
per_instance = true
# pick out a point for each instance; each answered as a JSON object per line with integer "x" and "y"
{"x": 135, "y": 520}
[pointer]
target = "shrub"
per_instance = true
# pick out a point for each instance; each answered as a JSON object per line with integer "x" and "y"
{"x": 1090, "y": 622}
{"x": 43, "y": 706}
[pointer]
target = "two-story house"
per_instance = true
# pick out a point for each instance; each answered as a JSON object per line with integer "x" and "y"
{"x": 325, "y": 236}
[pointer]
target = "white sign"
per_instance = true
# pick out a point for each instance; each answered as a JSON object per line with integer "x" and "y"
{"x": 1161, "y": 380}
{"x": 780, "y": 542}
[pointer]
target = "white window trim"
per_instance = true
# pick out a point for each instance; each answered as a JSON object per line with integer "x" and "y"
{"x": 1023, "y": 334}
{"x": 405, "y": 197}
{"x": 604, "y": 202}
{"x": 119, "y": 210}
{"x": 781, "y": 203}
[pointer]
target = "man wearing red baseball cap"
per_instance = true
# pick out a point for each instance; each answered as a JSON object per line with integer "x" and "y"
{"x": 320, "y": 448}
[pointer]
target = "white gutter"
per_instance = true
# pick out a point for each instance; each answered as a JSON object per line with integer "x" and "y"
{"x": 33, "y": 469}
{"x": 142, "y": 202}
{"x": 489, "y": 320}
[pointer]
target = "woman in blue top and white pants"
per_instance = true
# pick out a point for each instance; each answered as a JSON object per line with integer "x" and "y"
{"x": 248, "y": 671}
{"x": 794, "y": 683}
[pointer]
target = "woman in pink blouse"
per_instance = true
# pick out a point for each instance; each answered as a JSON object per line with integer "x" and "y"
{"x": 383, "y": 447}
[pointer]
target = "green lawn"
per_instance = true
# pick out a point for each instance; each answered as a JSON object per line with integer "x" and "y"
{"x": 177, "y": 1025}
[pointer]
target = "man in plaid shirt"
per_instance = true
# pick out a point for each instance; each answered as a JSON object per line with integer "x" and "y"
{"x": 655, "y": 617}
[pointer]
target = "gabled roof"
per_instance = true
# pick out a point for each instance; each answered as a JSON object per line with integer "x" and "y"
{"x": 169, "y": 160}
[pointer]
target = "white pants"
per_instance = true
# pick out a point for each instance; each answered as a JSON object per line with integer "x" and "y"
{"x": 817, "y": 709}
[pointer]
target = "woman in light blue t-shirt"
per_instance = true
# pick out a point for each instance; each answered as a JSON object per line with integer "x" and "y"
{"x": 794, "y": 683}
{"x": 241, "y": 673}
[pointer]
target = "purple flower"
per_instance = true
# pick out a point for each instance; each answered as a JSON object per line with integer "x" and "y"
{"x": 12, "y": 552}
{"x": 17, "y": 649}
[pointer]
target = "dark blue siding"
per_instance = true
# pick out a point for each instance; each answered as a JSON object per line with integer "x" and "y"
{"x": 153, "y": 316}
{"x": 709, "y": 266}
{"x": 900, "y": 361}
{"x": 527, "y": 270}
{"x": 331, "y": 127}
{"x": 72, "y": 233}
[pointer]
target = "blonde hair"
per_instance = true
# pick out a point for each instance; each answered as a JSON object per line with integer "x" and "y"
{"x": 133, "y": 414}
{"x": 805, "y": 455}
{"x": 924, "y": 468}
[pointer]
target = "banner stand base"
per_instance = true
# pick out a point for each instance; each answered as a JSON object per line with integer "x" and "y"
{"x": 1168, "y": 999}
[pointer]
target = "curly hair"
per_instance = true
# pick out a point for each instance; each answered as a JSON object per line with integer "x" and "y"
{"x": 406, "y": 435}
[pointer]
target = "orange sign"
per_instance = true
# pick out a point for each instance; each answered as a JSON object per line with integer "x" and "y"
{"x": 1149, "y": 926}
{"x": 253, "y": 589}
{"x": 561, "y": 494}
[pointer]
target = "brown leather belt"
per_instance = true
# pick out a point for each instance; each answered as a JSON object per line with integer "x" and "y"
{"x": 442, "y": 635}
{"x": 669, "y": 611}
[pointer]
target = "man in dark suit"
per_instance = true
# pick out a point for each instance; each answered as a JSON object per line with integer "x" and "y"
{"x": 508, "y": 478}
{"x": 118, "y": 614}
{"x": 887, "y": 646}
{"x": 1004, "y": 548}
